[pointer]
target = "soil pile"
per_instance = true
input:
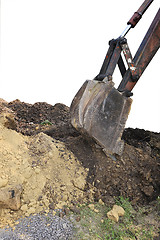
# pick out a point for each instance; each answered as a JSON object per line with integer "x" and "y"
{"x": 56, "y": 165}
{"x": 49, "y": 174}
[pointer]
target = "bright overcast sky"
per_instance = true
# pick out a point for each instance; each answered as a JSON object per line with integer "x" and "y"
{"x": 50, "y": 47}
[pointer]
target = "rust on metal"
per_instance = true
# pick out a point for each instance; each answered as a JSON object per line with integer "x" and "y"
{"x": 144, "y": 55}
{"x": 133, "y": 68}
{"x": 100, "y": 110}
{"x": 134, "y": 19}
{"x": 138, "y": 14}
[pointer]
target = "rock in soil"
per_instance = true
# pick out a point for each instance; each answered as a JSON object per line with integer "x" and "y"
{"x": 115, "y": 213}
{"x": 10, "y": 197}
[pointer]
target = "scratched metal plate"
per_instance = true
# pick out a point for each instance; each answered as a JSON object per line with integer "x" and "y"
{"x": 101, "y": 111}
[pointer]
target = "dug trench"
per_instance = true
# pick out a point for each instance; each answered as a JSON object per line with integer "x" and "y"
{"x": 67, "y": 166}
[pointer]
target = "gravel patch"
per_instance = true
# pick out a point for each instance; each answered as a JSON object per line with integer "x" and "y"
{"x": 40, "y": 227}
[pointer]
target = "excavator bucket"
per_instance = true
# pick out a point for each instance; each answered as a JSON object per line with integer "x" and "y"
{"x": 101, "y": 111}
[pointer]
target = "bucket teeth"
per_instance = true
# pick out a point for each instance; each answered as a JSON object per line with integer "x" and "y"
{"x": 101, "y": 111}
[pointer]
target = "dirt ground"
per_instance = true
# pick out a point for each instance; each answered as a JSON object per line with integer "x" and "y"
{"x": 56, "y": 152}
{"x": 136, "y": 174}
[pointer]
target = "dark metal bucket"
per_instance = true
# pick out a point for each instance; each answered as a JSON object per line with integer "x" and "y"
{"x": 101, "y": 111}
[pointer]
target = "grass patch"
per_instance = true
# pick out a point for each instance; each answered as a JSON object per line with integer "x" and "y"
{"x": 135, "y": 224}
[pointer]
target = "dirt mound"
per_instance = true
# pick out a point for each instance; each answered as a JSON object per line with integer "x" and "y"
{"x": 49, "y": 174}
{"x": 31, "y": 118}
{"x": 56, "y": 165}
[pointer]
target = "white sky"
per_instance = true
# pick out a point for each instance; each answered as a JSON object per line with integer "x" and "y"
{"x": 50, "y": 47}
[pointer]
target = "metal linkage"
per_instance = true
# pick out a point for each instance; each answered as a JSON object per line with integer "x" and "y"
{"x": 134, "y": 70}
{"x": 110, "y": 61}
{"x": 137, "y": 65}
{"x": 113, "y": 57}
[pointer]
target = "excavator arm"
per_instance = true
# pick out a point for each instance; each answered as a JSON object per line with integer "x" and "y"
{"x": 99, "y": 109}
{"x": 144, "y": 55}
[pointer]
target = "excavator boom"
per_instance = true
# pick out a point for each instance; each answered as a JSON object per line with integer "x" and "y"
{"x": 99, "y": 109}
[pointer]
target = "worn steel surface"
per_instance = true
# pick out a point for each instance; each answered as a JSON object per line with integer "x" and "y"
{"x": 99, "y": 110}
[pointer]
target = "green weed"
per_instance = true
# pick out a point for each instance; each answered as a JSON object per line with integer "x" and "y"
{"x": 96, "y": 226}
{"x": 46, "y": 122}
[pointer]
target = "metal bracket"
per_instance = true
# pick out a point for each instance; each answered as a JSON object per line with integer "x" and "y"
{"x": 113, "y": 57}
{"x": 134, "y": 70}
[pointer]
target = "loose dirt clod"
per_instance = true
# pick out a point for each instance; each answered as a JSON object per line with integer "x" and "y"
{"x": 115, "y": 213}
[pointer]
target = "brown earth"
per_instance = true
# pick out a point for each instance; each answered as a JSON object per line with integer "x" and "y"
{"x": 61, "y": 166}
{"x": 136, "y": 174}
